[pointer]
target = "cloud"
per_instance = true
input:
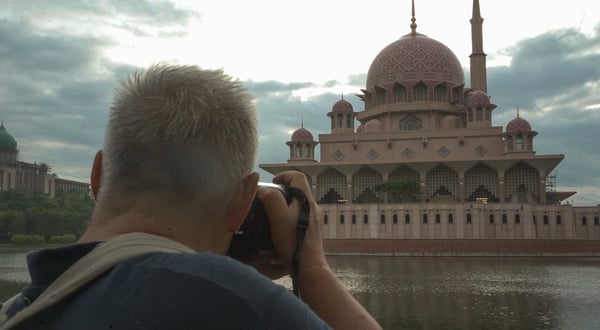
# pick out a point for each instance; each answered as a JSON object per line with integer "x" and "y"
{"x": 58, "y": 83}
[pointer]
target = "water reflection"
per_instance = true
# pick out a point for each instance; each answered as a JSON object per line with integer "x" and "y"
{"x": 472, "y": 293}
{"x": 449, "y": 293}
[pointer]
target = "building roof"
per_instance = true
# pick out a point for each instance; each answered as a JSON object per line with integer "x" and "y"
{"x": 415, "y": 57}
{"x": 478, "y": 98}
{"x": 518, "y": 125}
{"x": 342, "y": 106}
{"x": 7, "y": 141}
{"x": 302, "y": 135}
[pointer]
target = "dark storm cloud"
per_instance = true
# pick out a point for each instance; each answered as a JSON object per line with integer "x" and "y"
{"x": 551, "y": 78}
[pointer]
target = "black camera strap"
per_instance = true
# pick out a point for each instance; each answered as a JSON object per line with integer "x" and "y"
{"x": 301, "y": 227}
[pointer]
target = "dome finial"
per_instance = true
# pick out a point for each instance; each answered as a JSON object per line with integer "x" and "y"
{"x": 413, "y": 25}
{"x": 302, "y": 121}
{"x": 517, "y": 111}
{"x": 342, "y": 95}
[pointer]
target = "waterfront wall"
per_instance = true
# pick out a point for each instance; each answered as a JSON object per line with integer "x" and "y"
{"x": 461, "y": 229}
{"x": 463, "y": 247}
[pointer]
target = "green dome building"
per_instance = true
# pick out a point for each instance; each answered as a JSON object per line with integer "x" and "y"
{"x": 7, "y": 141}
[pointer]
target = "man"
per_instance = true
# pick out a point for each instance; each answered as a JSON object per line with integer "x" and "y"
{"x": 177, "y": 163}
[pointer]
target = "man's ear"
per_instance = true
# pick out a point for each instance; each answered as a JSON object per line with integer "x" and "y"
{"x": 241, "y": 201}
{"x": 96, "y": 174}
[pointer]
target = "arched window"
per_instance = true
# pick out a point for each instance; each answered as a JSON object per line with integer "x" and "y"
{"x": 399, "y": 93}
{"x": 509, "y": 143}
{"x": 410, "y": 123}
{"x": 479, "y": 114}
{"x": 407, "y": 218}
{"x": 349, "y": 120}
{"x": 545, "y": 219}
{"x": 469, "y": 218}
{"x": 450, "y": 218}
{"x": 504, "y": 218}
{"x": 420, "y": 92}
{"x": 381, "y": 95}
{"x": 382, "y": 219}
{"x": 354, "y": 219}
{"x": 519, "y": 143}
{"x": 307, "y": 147}
{"x": 437, "y": 218}
{"x": 395, "y": 218}
{"x": 584, "y": 221}
{"x": 517, "y": 218}
{"x": 340, "y": 120}
{"x": 298, "y": 150}
{"x": 491, "y": 218}
{"x": 325, "y": 219}
{"x": 424, "y": 218}
{"x": 440, "y": 93}
{"x": 365, "y": 219}
{"x": 341, "y": 219}
{"x": 596, "y": 221}
{"x": 558, "y": 220}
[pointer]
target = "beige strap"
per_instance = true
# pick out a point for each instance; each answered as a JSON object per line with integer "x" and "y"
{"x": 98, "y": 261}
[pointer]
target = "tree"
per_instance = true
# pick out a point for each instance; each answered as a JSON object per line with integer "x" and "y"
{"x": 404, "y": 190}
{"x": 11, "y": 223}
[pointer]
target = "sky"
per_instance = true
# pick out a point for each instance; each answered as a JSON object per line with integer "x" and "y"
{"x": 61, "y": 60}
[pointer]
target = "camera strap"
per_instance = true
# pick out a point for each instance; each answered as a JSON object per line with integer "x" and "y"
{"x": 301, "y": 227}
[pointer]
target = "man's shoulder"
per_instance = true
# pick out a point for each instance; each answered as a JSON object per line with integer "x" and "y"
{"x": 209, "y": 269}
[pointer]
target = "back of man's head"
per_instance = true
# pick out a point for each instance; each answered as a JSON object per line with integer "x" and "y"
{"x": 181, "y": 133}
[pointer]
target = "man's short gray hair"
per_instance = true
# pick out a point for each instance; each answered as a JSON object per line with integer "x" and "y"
{"x": 181, "y": 130}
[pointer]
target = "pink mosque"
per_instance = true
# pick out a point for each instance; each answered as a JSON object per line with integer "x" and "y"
{"x": 478, "y": 189}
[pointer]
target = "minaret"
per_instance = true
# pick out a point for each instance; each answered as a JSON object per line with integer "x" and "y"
{"x": 478, "y": 66}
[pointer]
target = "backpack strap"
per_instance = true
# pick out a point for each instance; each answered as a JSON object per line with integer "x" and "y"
{"x": 101, "y": 259}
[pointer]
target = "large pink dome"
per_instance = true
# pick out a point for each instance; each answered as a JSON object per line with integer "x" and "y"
{"x": 415, "y": 57}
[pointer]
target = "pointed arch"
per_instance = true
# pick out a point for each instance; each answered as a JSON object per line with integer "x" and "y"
{"x": 440, "y": 93}
{"x": 442, "y": 183}
{"x": 420, "y": 92}
{"x": 363, "y": 183}
{"x": 331, "y": 186}
{"x": 521, "y": 183}
{"x": 481, "y": 181}
{"x": 400, "y": 93}
{"x": 410, "y": 123}
{"x": 404, "y": 174}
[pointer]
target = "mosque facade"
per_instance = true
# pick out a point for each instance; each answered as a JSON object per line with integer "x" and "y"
{"x": 427, "y": 173}
{"x": 16, "y": 175}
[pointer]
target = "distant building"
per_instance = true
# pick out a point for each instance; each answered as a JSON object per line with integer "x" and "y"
{"x": 27, "y": 177}
{"x": 477, "y": 188}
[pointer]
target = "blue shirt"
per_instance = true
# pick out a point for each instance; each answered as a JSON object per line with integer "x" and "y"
{"x": 164, "y": 291}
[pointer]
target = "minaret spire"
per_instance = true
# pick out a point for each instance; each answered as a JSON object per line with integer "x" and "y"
{"x": 517, "y": 111}
{"x": 413, "y": 25}
{"x": 302, "y": 121}
{"x": 478, "y": 65}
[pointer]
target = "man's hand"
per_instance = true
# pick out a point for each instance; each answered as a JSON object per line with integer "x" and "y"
{"x": 283, "y": 219}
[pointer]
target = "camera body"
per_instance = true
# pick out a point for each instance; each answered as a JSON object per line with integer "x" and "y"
{"x": 253, "y": 238}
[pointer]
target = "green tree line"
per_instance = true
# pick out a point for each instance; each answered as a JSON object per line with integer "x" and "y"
{"x": 24, "y": 213}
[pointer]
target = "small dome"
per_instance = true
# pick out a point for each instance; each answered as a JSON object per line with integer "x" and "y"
{"x": 7, "y": 141}
{"x": 342, "y": 106}
{"x": 302, "y": 135}
{"x": 477, "y": 98}
{"x": 373, "y": 126}
{"x": 518, "y": 125}
{"x": 415, "y": 57}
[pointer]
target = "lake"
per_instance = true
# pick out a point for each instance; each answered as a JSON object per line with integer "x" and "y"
{"x": 448, "y": 293}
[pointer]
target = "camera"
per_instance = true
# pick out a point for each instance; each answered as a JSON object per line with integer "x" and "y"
{"x": 253, "y": 238}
